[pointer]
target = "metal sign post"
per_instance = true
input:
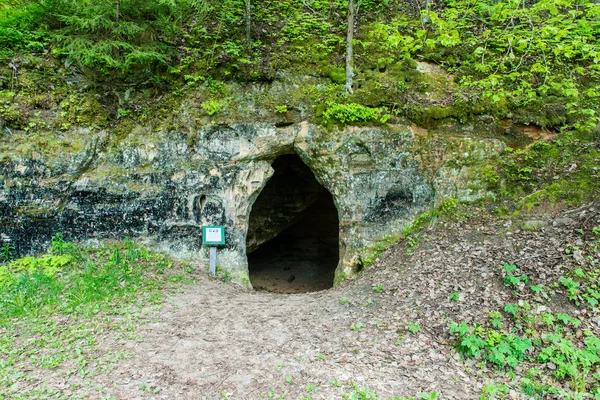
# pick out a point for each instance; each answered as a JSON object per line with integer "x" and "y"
{"x": 211, "y": 236}
{"x": 212, "y": 270}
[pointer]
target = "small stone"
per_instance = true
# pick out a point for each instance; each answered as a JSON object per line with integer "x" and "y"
{"x": 541, "y": 309}
{"x": 596, "y": 321}
{"x": 563, "y": 222}
{"x": 551, "y": 366}
{"x": 534, "y": 224}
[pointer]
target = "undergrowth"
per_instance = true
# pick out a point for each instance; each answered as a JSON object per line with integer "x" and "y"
{"x": 55, "y": 309}
{"x": 528, "y": 62}
{"x": 544, "y": 354}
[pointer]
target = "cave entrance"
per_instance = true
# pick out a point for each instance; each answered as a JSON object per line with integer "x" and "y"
{"x": 293, "y": 232}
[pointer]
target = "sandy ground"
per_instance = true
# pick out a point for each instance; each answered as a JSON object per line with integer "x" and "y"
{"x": 217, "y": 341}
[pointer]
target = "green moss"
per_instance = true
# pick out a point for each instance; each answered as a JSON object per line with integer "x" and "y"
{"x": 122, "y": 130}
{"x": 546, "y": 112}
{"x": 488, "y": 176}
{"x": 14, "y": 117}
{"x": 339, "y": 278}
{"x": 337, "y": 75}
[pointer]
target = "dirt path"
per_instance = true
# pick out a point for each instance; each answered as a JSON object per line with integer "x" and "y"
{"x": 216, "y": 340}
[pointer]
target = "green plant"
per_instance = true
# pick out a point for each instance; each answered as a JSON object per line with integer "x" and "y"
{"x": 335, "y": 382}
{"x": 149, "y": 388}
{"x": 310, "y": 388}
{"x": 499, "y": 348}
{"x": 356, "y": 326}
{"x": 60, "y": 303}
{"x": 537, "y": 288}
{"x": 511, "y": 309}
{"x": 454, "y": 296}
{"x": 493, "y": 390}
{"x": 380, "y": 324}
{"x": 413, "y": 327}
{"x": 350, "y": 113}
{"x": 344, "y": 300}
{"x": 281, "y": 109}
{"x": 6, "y": 252}
{"x": 379, "y": 288}
{"x": 496, "y": 319}
{"x": 571, "y": 286}
{"x": 212, "y": 106}
{"x": 571, "y": 362}
{"x": 447, "y": 206}
{"x": 359, "y": 393}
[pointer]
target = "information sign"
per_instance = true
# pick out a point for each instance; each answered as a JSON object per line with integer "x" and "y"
{"x": 212, "y": 235}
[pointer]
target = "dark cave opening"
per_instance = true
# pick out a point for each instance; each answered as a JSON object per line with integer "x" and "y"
{"x": 293, "y": 233}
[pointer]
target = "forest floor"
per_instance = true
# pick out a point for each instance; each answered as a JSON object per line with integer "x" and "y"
{"x": 381, "y": 336}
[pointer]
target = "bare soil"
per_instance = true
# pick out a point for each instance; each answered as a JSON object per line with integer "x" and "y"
{"x": 215, "y": 340}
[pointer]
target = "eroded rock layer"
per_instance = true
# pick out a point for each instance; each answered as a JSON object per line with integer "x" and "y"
{"x": 162, "y": 187}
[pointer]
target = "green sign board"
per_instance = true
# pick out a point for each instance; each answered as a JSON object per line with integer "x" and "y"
{"x": 212, "y": 235}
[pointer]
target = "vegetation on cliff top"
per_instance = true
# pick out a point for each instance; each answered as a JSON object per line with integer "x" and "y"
{"x": 530, "y": 61}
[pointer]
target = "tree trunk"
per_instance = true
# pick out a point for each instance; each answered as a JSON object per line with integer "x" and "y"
{"x": 349, "y": 49}
{"x": 248, "y": 26}
{"x": 118, "y": 5}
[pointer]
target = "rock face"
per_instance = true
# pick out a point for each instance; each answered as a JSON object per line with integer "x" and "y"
{"x": 162, "y": 187}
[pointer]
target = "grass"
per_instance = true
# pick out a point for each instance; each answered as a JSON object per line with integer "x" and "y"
{"x": 56, "y": 309}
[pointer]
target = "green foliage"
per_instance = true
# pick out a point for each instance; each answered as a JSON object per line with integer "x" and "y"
{"x": 6, "y": 252}
{"x": 57, "y": 305}
{"x": 511, "y": 309}
{"x": 350, "y": 113}
{"x": 131, "y": 41}
{"x": 454, "y": 296}
{"x": 65, "y": 281}
{"x": 575, "y": 359}
{"x": 540, "y": 54}
{"x": 212, "y": 106}
{"x": 379, "y": 288}
{"x": 533, "y": 63}
{"x": 501, "y": 349}
{"x": 447, "y": 206}
{"x": 281, "y": 109}
{"x": 361, "y": 393}
{"x": 572, "y": 362}
{"x": 561, "y": 169}
{"x": 135, "y": 40}
{"x": 413, "y": 327}
{"x": 19, "y": 29}
{"x": 356, "y": 326}
{"x": 338, "y": 75}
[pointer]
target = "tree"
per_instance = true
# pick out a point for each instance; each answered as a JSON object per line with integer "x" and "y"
{"x": 248, "y": 26}
{"x": 116, "y": 38}
{"x": 349, "y": 48}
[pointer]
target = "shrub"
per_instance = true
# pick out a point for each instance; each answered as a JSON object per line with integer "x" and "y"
{"x": 350, "y": 113}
